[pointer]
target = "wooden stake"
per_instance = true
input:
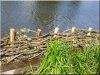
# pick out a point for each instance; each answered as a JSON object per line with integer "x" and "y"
{"x": 38, "y": 33}
{"x": 12, "y": 36}
{"x": 89, "y": 34}
{"x": 56, "y": 31}
{"x": 73, "y": 29}
{"x": 89, "y": 31}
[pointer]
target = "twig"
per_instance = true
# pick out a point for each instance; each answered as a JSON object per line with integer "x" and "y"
{"x": 12, "y": 58}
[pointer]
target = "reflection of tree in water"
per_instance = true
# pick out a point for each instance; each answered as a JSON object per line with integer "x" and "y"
{"x": 44, "y": 13}
{"x": 74, "y": 6}
{"x": 67, "y": 11}
{"x": 72, "y": 12}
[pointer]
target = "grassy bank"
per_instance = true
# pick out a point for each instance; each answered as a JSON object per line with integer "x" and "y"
{"x": 63, "y": 58}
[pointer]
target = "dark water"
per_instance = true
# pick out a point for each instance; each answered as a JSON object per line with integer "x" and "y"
{"x": 47, "y": 15}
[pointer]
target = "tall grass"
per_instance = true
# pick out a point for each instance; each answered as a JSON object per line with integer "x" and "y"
{"x": 63, "y": 58}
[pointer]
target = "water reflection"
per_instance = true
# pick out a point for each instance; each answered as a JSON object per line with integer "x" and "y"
{"x": 47, "y": 15}
{"x": 51, "y": 14}
{"x": 16, "y": 14}
{"x": 66, "y": 14}
{"x": 44, "y": 15}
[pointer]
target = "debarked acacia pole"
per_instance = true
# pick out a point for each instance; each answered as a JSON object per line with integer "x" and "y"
{"x": 38, "y": 33}
{"x": 73, "y": 29}
{"x": 89, "y": 31}
{"x": 12, "y": 37}
{"x": 56, "y": 31}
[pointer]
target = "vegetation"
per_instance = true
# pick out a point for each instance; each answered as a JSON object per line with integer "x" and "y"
{"x": 63, "y": 58}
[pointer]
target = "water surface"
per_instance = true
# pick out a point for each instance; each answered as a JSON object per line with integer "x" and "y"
{"x": 47, "y": 15}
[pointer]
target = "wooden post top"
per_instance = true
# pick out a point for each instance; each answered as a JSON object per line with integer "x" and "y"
{"x": 39, "y": 30}
{"x": 12, "y": 36}
{"x": 56, "y": 30}
{"x": 90, "y": 29}
{"x": 73, "y": 29}
{"x": 12, "y": 29}
{"x": 38, "y": 33}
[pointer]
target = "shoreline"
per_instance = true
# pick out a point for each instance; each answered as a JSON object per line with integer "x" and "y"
{"x": 30, "y": 47}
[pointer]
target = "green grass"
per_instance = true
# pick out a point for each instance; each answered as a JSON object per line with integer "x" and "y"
{"x": 62, "y": 58}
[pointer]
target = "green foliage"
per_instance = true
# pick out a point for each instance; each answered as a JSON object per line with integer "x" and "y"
{"x": 63, "y": 58}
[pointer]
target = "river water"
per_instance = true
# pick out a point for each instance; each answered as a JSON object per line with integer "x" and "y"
{"x": 48, "y": 14}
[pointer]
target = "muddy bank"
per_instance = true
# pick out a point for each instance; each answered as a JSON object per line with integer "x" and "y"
{"x": 22, "y": 64}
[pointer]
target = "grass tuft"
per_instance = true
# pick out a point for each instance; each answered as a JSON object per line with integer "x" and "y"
{"x": 62, "y": 58}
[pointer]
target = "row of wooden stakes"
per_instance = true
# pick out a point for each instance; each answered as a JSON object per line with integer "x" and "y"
{"x": 38, "y": 33}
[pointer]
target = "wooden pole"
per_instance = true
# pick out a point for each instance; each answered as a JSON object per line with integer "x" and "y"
{"x": 89, "y": 34}
{"x": 56, "y": 31}
{"x": 38, "y": 33}
{"x": 12, "y": 36}
{"x": 89, "y": 31}
{"x": 73, "y": 29}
